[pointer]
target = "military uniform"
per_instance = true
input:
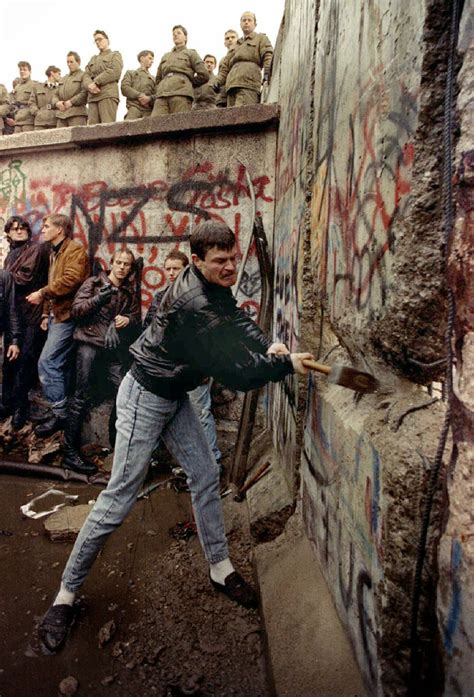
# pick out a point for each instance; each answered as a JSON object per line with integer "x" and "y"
{"x": 73, "y": 88}
{"x": 178, "y": 72}
{"x": 204, "y": 96}
{"x": 42, "y": 106}
{"x": 221, "y": 97}
{"x": 105, "y": 70}
{"x": 5, "y": 107}
{"x": 241, "y": 70}
{"x": 135, "y": 83}
{"x": 21, "y": 94}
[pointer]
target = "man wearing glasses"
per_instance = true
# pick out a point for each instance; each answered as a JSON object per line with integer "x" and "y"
{"x": 27, "y": 262}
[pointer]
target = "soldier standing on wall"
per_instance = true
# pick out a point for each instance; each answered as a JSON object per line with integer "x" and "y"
{"x": 42, "y": 100}
{"x": 104, "y": 70}
{"x": 230, "y": 41}
{"x": 138, "y": 86}
{"x": 23, "y": 119}
{"x": 241, "y": 69}
{"x": 71, "y": 98}
{"x": 204, "y": 95}
{"x": 178, "y": 72}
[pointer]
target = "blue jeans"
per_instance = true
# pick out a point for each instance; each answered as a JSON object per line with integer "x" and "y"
{"x": 54, "y": 364}
{"x": 142, "y": 417}
{"x": 201, "y": 401}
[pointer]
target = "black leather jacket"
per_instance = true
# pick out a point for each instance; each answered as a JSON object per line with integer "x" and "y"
{"x": 9, "y": 321}
{"x": 198, "y": 331}
{"x": 92, "y": 322}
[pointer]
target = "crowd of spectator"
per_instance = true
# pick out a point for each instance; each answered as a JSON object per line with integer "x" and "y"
{"x": 183, "y": 81}
{"x": 62, "y": 326}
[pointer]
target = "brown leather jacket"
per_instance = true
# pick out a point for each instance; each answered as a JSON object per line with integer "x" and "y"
{"x": 28, "y": 266}
{"x": 93, "y": 322}
{"x": 67, "y": 271}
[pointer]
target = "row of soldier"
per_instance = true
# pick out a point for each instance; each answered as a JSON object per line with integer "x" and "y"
{"x": 183, "y": 82}
{"x": 58, "y": 321}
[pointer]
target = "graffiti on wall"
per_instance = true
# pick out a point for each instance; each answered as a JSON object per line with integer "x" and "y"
{"x": 290, "y": 186}
{"x": 364, "y": 152}
{"x": 343, "y": 517}
{"x": 152, "y": 217}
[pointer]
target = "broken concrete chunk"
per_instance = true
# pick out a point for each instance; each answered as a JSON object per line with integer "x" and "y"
{"x": 64, "y": 525}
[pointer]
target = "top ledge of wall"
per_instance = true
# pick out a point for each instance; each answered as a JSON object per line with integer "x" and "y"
{"x": 249, "y": 118}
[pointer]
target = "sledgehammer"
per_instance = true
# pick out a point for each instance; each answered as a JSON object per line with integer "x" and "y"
{"x": 345, "y": 376}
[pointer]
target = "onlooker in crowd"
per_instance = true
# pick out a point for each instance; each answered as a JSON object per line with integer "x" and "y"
{"x": 105, "y": 70}
{"x": 138, "y": 86}
{"x": 68, "y": 269}
{"x": 175, "y": 262}
{"x": 71, "y": 98}
{"x": 204, "y": 95}
{"x": 5, "y": 107}
{"x": 27, "y": 262}
{"x": 107, "y": 315}
{"x": 179, "y": 71}
{"x": 241, "y": 69}
{"x": 9, "y": 323}
{"x": 9, "y": 121}
{"x": 42, "y": 100}
{"x": 21, "y": 94}
{"x": 230, "y": 41}
{"x": 198, "y": 331}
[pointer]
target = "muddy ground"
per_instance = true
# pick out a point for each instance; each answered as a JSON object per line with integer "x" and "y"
{"x": 171, "y": 633}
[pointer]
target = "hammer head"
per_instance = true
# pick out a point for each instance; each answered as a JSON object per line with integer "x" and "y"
{"x": 353, "y": 379}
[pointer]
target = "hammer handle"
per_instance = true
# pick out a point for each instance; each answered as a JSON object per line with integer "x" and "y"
{"x": 312, "y": 365}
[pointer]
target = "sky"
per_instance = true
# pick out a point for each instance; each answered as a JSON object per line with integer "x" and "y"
{"x": 43, "y": 31}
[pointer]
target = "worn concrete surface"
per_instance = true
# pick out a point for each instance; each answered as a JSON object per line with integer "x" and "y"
{"x": 455, "y": 599}
{"x": 309, "y": 653}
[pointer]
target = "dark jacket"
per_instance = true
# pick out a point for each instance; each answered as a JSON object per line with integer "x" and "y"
{"x": 28, "y": 264}
{"x": 198, "y": 331}
{"x": 93, "y": 322}
{"x": 9, "y": 322}
{"x": 158, "y": 297}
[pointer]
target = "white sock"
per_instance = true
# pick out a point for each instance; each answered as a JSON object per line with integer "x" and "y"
{"x": 64, "y": 597}
{"x": 221, "y": 570}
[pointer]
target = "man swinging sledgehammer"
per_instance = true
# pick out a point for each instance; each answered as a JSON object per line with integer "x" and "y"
{"x": 196, "y": 332}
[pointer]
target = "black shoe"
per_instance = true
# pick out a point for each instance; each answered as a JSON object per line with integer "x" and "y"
{"x": 73, "y": 461}
{"x": 50, "y": 426}
{"x": 55, "y": 625}
{"x": 237, "y": 589}
{"x": 19, "y": 418}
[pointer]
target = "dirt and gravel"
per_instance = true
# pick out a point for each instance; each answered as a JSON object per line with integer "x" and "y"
{"x": 148, "y": 621}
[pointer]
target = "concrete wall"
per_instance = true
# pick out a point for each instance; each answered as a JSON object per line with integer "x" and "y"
{"x": 456, "y": 553}
{"x": 144, "y": 187}
{"x": 359, "y": 280}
